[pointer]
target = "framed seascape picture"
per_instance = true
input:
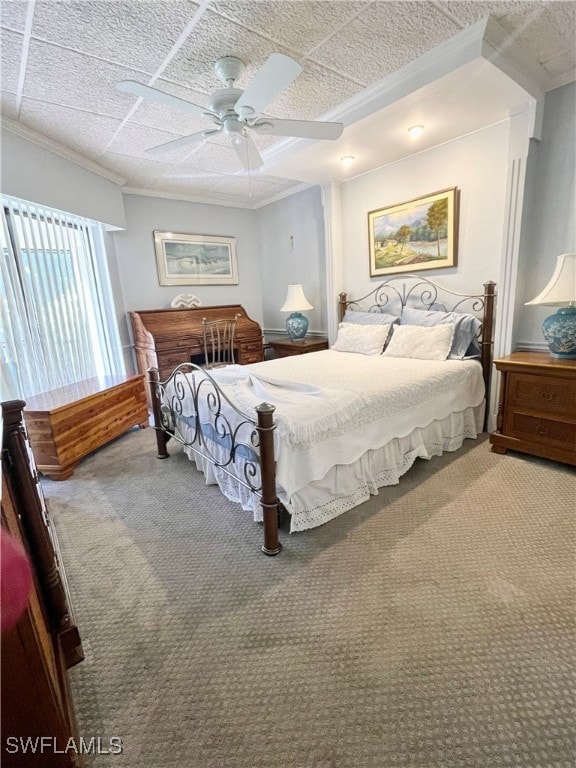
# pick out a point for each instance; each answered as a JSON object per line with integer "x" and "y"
{"x": 195, "y": 259}
{"x": 416, "y": 235}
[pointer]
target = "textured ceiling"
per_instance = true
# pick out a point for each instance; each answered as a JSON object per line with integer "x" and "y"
{"x": 61, "y": 62}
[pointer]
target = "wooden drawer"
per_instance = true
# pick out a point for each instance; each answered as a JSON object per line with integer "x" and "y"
{"x": 537, "y": 406}
{"x": 174, "y": 344}
{"x": 542, "y": 393}
{"x": 253, "y": 357}
{"x": 527, "y": 426}
{"x": 251, "y": 352}
{"x": 283, "y": 352}
{"x": 167, "y": 361}
{"x": 254, "y": 347}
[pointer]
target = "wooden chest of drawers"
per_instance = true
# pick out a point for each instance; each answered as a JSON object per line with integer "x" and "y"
{"x": 537, "y": 408}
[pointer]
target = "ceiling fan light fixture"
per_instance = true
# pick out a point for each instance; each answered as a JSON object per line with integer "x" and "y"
{"x": 415, "y": 131}
{"x": 233, "y": 127}
{"x": 236, "y": 112}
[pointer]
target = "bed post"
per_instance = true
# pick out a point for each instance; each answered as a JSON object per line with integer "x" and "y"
{"x": 269, "y": 500}
{"x": 487, "y": 342}
{"x": 161, "y": 441}
{"x": 342, "y": 302}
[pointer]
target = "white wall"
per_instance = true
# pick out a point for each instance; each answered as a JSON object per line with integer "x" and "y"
{"x": 33, "y": 173}
{"x": 476, "y": 164}
{"x": 291, "y": 243}
{"x": 266, "y": 265}
{"x": 136, "y": 259}
{"x": 548, "y": 222}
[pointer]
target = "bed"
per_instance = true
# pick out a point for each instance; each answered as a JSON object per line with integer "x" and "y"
{"x": 306, "y": 438}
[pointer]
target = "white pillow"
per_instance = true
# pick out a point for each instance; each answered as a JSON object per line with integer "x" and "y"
{"x": 365, "y": 339}
{"x": 426, "y": 343}
{"x": 465, "y": 341}
{"x": 369, "y": 318}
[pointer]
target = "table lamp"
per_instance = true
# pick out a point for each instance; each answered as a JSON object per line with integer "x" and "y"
{"x": 560, "y": 329}
{"x": 296, "y": 302}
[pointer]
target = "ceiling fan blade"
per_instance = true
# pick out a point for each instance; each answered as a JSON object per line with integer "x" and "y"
{"x": 276, "y": 74}
{"x": 302, "y": 129}
{"x": 248, "y": 153}
{"x": 184, "y": 141}
{"x": 153, "y": 94}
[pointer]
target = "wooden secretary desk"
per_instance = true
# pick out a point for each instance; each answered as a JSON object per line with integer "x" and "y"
{"x": 165, "y": 338}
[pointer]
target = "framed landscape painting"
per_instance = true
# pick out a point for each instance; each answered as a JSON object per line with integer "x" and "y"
{"x": 195, "y": 259}
{"x": 415, "y": 235}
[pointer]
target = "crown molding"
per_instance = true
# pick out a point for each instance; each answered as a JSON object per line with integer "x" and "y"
{"x": 6, "y": 124}
{"x": 283, "y": 195}
{"x": 223, "y": 200}
{"x": 206, "y": 199}
{"x": 460, "y": 49}
{"x": 485, "y": 39}
{"x": 52, "y": 146}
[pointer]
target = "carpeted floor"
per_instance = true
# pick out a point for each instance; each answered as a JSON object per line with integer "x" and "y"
{"x": 432, "y": 627}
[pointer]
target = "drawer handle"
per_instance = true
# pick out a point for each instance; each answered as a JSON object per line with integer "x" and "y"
{"x": 547, "y": 394}
{"x": 541, "y": 430}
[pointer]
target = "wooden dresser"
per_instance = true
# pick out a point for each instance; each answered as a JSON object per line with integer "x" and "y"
{"x": 165, "y": 338}
{"x": 537, "y": 408}
{"x": 37, "y": 652}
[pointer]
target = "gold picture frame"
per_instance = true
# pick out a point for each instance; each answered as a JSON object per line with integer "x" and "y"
{"x": 415, "y": 235}
{"x": 184, "y": 259}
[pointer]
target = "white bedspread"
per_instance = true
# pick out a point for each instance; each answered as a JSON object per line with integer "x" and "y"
{"x": 377, "y": 398}
{"x": 349, "y": 405}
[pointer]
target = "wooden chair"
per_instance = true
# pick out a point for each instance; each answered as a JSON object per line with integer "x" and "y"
{"x": 219, "y": 341}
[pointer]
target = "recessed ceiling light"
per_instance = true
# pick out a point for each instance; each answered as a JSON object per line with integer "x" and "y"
{"x": 415, "y": 131}
{"x": 347, "y": 160}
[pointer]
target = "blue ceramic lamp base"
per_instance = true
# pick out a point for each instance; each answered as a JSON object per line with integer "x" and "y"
{"x": 560, "y": 333}
{"x": 296, "y": 326}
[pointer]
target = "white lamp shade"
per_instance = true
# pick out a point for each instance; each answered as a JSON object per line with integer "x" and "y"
{"x": 561, "y": 289}
{"x": 295, "y": 300}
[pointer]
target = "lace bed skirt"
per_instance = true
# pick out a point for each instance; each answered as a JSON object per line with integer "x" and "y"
{"x": 346, "y": 486}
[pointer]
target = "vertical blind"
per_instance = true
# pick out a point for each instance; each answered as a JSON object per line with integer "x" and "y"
{"x": 57, "y": 320}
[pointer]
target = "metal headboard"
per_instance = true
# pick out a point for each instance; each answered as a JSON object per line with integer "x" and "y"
{"x": 405, "y": 290}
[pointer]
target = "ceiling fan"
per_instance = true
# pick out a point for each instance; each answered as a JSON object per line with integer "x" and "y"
{"x": 236, "y": 112}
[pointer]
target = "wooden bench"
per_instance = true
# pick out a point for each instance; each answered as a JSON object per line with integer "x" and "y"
{"x": 67, "y": 424}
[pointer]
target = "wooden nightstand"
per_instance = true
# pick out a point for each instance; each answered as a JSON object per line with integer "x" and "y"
{"x": 287, "y": 348}
{"x": 537, "y": 408}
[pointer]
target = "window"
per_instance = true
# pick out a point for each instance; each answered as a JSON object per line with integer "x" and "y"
{"x": 57, "y": 320}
